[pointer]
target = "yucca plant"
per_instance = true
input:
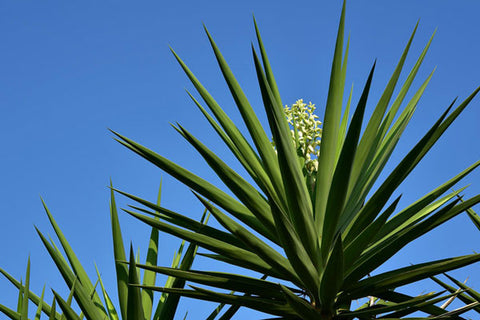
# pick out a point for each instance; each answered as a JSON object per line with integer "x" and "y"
{"x": 317, "y": 235}
{"x": 134, "y": 302}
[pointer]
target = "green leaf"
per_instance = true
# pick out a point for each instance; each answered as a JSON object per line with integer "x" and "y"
{"x": 53, "y": 313}
{"x": 134, "y": 301}
{"x": 74, "y": 262}
{"x": 227, "y": 124}
{"x": 397, "y": 297}
{"x": 355, "y": 248}
{"x": 458, "y": 311}
{"x": 263, "y": 250}
{"x": 474, "y": 217}
{"x": 259, "y": 137}
{"x": 382, "y": 251}
{"x": 26, "y": 291}
{"x": 246, "y": 193}
{"x": 298, "y": 256}
{"x": 199, "y": 185}
{"x": 341, "y": 177}
{"x": 264, "y": 305}
{"x": 234, "y": 282}
{"x": 372, "y": 168}
{"x": 381, "y": 196}
{"x": 229, "y": 313}
{"x": 82, "y": 295}
{"x": 344, "y": 123}
{"x": 112, "y": 312}
{"x": 471, "y": 213}
{"x": 332, "y": 277}
{"x": 417, "y": 211}
{"x": 402, "y": 276}
{"x": 162, "y": 304}
{"x": 215, "y": 312}
{"x": 230, "y": 144}
{"x": 32, "y": 296}
{"x": 183, "y": 221}
{"x": 20, "y": 298}
{"x": 266, "y": 65}
{"x": 38, "y": 313}
{"x": 462, "y": 296}
{"x": 70, "y": 297}
{"x": 119, "y": 254}
{"x": 387, "y": 121}
{"x": 9, "y": 312}
{"x": 170, "y": 304}
{"x": 152, "y": 258}
{"x": 67, "y": 310}
{"x": 242, "y": 257}
{"x": 300, "y": 212}
{"x": 474, "y": 294}
{"x": 378, "y": 309}
{"x": 301, "y": 307}
{"x": 331, "y": 126}
{"x": 367, "y": 147}
{"x": 296, "y": 192}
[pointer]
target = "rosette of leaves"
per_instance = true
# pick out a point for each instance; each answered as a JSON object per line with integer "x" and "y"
{"x": 92, "y": 298}
{"x": 316, "y": 245}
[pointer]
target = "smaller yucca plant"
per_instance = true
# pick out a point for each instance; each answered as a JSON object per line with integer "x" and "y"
{"x": 94, "y": 301}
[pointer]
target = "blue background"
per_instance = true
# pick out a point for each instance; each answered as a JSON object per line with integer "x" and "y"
{"x": 72, "y": 70}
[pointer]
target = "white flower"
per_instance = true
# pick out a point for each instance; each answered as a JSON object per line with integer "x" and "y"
{"x": 301, "y": 117}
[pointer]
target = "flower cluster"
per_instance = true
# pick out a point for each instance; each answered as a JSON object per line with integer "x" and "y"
{"x": 301, "y": 116}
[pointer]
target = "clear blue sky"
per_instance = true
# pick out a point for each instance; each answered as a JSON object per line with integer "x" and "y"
{"x": 72, "y": 70}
